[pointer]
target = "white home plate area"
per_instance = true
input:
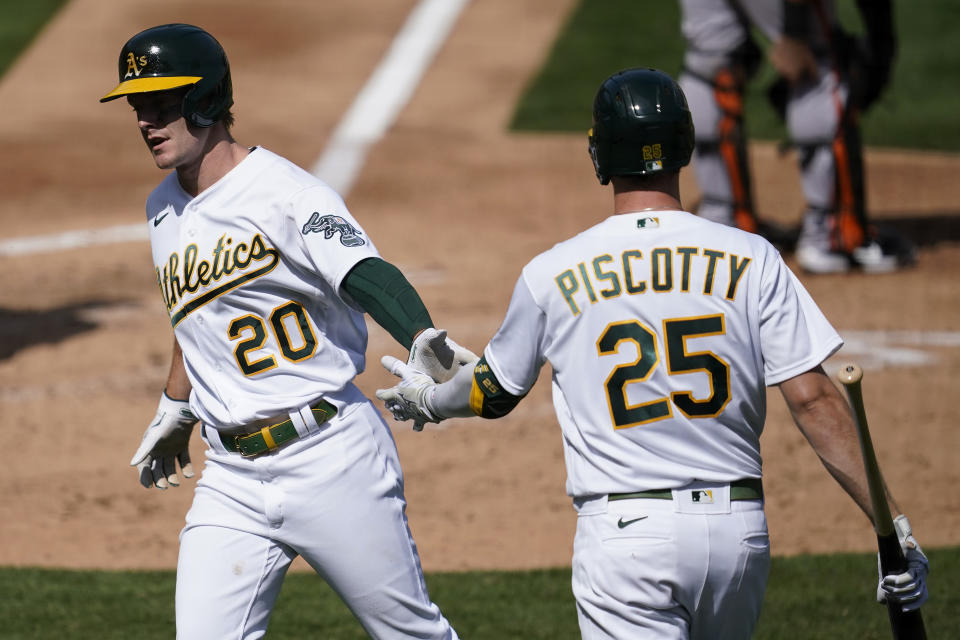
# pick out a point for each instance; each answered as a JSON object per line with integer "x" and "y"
{"x": 891, "y": 349}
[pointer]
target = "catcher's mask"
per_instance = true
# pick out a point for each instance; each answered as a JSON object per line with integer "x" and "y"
{"x": 641, "y": 125}
{"x": 178, "y": 55}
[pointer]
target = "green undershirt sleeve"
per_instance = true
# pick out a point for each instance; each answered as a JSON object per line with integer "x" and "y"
{"x": 382, "y": 291}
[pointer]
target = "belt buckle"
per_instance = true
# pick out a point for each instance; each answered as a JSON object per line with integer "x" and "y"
{"x": 323, "y": 407}
{"x": 240, "y": 449}
{"x": 267, "y": 440}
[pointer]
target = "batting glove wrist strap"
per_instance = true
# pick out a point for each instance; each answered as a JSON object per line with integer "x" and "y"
{"x": 905, "y": 533}
{"x": 911, "y": 548}
{"x": 179, "y": 408}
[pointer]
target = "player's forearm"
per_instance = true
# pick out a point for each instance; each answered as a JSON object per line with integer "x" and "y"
{"x": 178, "y": 384}
{"x": 452, "y": 398}
{"x": 824, "y": 418}
{"x": 387, "y": 296}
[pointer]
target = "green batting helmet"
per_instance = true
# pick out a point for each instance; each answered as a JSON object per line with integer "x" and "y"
{"x": 178, "y": 55}
{"x": 641, "y": 125}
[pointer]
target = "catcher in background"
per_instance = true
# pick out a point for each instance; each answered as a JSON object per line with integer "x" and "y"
{"x": 663, "y": 330}
{"x": 827, "y": 80}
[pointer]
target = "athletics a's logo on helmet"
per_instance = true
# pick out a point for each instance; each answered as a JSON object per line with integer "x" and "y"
{"x": 329, "y": 225}
{"x": 135, "y": 65}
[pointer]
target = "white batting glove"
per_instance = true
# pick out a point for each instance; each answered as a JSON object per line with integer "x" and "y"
{"x": 409, "y": 400}
{"x": 436, "y": 355}
{"x": 908, "y": 589}
{"x": 165, "y": 442}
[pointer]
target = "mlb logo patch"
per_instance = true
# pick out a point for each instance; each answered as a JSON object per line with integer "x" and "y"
{"x": 648, "y": 223}
{"x": 702, "y": 496}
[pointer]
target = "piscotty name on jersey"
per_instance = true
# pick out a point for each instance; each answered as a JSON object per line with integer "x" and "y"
{"x": 663, "y": 270}
{"x": 179, "y": 279}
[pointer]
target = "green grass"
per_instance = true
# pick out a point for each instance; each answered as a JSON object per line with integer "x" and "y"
{"x": 808, "y": 597}
{"x": 603, "y": 36}
{"x": 593, "y": 44}
{"x": 19, "y": 23}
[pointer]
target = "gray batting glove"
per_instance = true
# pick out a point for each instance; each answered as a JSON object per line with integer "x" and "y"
{"x": 166, "y": 442}
{"x": 409, "y": 399}
{"x": 908, "y": 589}
{"x": 436, "y": 355}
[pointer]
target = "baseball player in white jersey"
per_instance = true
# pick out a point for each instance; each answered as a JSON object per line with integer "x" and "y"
{"x": 827, "y": 79}
{"x": 663, "y": 331}
{"x": 265, "y": 275}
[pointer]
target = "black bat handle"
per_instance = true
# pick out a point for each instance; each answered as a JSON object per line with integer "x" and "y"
{"x": 906, "y": 625}
{"x": 891, "y": 555}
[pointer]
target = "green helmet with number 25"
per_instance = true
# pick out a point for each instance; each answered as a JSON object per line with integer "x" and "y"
{"x": 641, "y": 125}
{"x": 178, "y": 55}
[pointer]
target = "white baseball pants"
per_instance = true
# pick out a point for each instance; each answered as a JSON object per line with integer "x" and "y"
{"x": 335, "y": 498}
{"x": 670, "y": 569}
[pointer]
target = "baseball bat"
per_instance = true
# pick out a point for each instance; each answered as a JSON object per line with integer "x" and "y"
{"x": 906, "y": 625}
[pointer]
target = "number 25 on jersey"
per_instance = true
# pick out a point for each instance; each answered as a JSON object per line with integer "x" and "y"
{"x": 679, "y": 360}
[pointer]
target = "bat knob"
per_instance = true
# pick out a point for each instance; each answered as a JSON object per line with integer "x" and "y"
{"x": 850, "y": 373}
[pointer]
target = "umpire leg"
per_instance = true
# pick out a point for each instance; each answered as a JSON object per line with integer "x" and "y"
{"x": 823, "y": 119}
{"x": 836, "y": 234}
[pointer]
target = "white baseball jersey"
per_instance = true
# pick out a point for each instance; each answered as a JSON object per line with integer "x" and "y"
{"x": 250, "y": 271}
{"x": 662, "y": 330}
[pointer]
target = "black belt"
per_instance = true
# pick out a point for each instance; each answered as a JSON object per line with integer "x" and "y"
{"x": 746, "y": 489}
{"x": 273, "y": 436}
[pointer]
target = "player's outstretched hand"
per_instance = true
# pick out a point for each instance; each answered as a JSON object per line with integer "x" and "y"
{"x": 165, "y": 443}
{"x": 436, "y": 355}
{"x": 909, "y": 589}
{"x": 409, "y": 399}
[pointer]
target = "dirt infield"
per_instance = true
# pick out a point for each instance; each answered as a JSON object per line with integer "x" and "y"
{"x": 460, "y": 204}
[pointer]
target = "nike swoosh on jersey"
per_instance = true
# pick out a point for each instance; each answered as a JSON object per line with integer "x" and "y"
{"x": 626, "y": 523}
{"x": 163, "y": 214}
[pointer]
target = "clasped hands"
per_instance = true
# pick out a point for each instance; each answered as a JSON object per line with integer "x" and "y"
{"x": 434, "y": 358}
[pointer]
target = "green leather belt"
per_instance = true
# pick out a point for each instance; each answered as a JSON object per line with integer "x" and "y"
{"x": 275, "y": 435}
{"x": 746, "y": 489}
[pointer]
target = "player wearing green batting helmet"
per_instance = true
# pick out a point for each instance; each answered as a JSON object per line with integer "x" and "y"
{"x": 641, "y": 125}
{"x": 178, "y": 55}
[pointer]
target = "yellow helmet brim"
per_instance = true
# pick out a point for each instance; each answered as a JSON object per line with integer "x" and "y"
{"x": 146, "y": 85}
